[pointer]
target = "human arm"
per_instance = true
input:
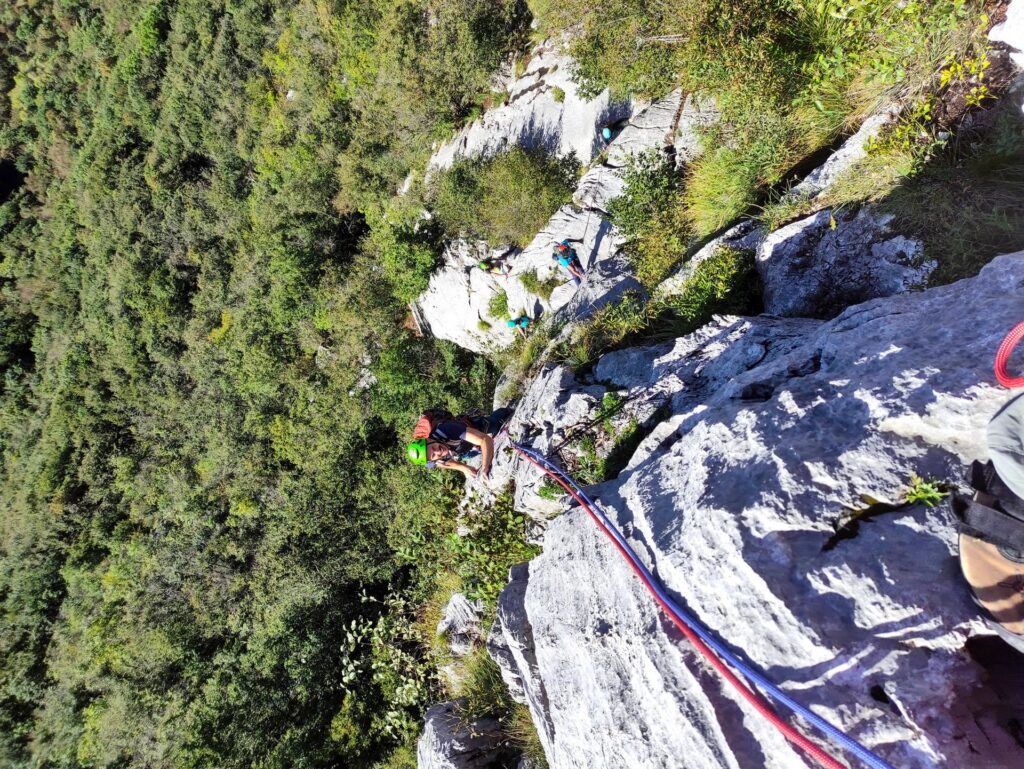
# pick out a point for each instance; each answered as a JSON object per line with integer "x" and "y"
{"x": 486, "y": 444}
{"x": 451, "y": 464}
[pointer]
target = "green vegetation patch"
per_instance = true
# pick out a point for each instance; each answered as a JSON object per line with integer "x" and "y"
{"x": 497, "y": 307}
{"x": 962, "y": 196}
{"x": 724, "y": 283}
{"x": 542, "y": 288}
{"x": 652, "y": 216}
{"x": 504, "y": 199}
{"x": 967, "y": 204}
{"x": 925, "y": 492}
{"x": 788, "y": 77}
{"x": 495, "y": 543}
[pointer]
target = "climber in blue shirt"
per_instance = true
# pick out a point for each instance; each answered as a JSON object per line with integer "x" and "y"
{"x": 569, "y": 259}
{"x": 520, "y": 324}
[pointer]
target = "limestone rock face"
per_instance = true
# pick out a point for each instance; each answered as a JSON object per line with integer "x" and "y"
{"x": 543, "y": 111}
{"x": 461, "y": 624}
{"x": 670, "y": 124}
{"x": 455, "y": 304}
{"x": 853, "y": 150}
{"x": 822, "y": 264}
{"x": 448, "y": 743}
{"x": 771, "y": 431}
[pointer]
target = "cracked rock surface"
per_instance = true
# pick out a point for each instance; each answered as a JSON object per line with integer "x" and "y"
{"x": 772, "y": 430}
{"x": 448, "y": 742}
{"x": 820, "y": 265}
{"x": 460, "y": 624}
{"x": 535, "y": 117}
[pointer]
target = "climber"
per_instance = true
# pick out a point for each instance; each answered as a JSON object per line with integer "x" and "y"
{"x": 569, "y": 259}
{"x": 499, "y": 266}
{"x": 992, "y": 526}
{"x": 611, "y": 130}
{"x": 443, "y": 440}
{"x": 520, "y": 324}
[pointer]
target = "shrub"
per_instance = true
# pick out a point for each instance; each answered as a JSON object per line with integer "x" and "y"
{"x": 402, "y": 758}
{"x": 535, "y": 285}
{"x": 650, "y": 186}
{"x": 650, "y": 214}
{"x": 495, "y": 544}
{"x": 404, "y": 245}
{"x": 505, "y": 199}
{"x": 558, "y": 94}
{"x": 497, "y": 307}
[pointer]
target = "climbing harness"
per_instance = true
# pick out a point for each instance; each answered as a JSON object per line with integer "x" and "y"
{"x": 1003, "y": 357}
{"x": 706, "y": 643}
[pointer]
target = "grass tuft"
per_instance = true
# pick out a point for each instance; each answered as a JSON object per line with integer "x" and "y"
{"x": 482, "y": 692}
{"x": 497, "y": 307}
{"x": 535, "y": 285}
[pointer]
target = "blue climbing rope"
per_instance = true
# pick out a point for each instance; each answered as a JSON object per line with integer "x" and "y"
{"x": 747, "y": 670}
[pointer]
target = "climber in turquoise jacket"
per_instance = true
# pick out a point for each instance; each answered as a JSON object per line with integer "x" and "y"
{"x": 569, "y": 259}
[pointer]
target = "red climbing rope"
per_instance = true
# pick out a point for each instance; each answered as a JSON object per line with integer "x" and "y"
{"x": 1003, "y": 357}
{"x": 750, "y": 696}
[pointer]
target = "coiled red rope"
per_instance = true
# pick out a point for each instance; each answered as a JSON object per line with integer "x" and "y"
{"x": 748, "y": 694}
{"x": 1003, "y": 357}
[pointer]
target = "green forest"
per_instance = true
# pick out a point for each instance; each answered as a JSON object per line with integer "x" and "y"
{"x": 212, "y": 552}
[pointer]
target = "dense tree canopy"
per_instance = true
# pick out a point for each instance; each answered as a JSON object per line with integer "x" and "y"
{"x": 203, "y": 507}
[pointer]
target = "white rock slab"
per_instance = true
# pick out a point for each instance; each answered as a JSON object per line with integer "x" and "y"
{"x": 1011, "y": 31}
{"x": 535, "y": 118}
{"x": 778, "y": 426}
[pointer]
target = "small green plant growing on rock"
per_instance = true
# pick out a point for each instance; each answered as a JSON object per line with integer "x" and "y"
{"x": 611, "y": 403}
{"x": 550, "y": 490}
{"x": 591, "y": 467}
{"x": 971, "y": 71}
{"x": 498, "y": 306}
{"x": 926, "y": 492}
{"x": 558, "y": 94}
{"x": 542, "y": 288}
{"x": 482, "y": 692}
